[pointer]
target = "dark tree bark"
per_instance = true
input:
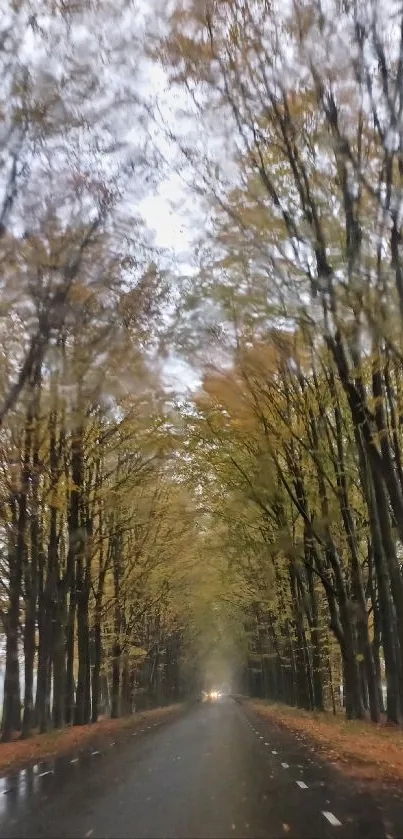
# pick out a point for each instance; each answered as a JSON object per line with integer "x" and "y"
{"x": 117, "y": 626}
{"x": 75, "y": 554}
{"x": 12, "y": 701}
{"x": 18, "y": 562}
{"x": 31, "y": 566}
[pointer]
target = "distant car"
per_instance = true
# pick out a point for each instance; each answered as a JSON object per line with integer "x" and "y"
{"x": 214, "y": 695}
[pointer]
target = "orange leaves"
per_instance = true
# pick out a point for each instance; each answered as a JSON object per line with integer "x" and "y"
{"x": 65, "y": 741}
{"x": 359, "y": 749}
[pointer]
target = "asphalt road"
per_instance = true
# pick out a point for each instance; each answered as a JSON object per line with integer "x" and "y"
{"x": 215, "y": 772}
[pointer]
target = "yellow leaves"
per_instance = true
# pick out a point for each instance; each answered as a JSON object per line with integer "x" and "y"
{"x": 138, "y": 654}
{"x": 57, "y": 497}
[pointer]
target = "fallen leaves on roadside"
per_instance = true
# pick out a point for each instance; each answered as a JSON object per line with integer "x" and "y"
{"x": 19, "y": 753}
{"x": 361, "y": 749}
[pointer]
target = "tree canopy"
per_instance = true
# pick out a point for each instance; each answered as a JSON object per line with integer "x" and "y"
{"x": 250, "y": 531}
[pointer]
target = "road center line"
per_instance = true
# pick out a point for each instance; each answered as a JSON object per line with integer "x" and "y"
{"x": 331, "y": 818}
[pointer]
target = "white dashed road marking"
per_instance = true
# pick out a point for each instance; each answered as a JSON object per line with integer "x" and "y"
{"x": 285, "y": 766}
{"x": 267, "y": 744}
{"x": 301, "y": 784}
{"x": 95, "y": 753}
{"x": 42, "y": 774}
{"x": 273, "y": 752}
{"x": 260, "y": 737}
{"x": 75, "y": 760}
{"x": 331, "y": 818}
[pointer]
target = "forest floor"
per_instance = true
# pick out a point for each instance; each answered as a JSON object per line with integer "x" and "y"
{"x": 362, "y": 750}
{"x": 22, "y": 753}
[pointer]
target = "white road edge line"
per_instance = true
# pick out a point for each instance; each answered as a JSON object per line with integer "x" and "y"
{"x": 301, "y": 784}
{"x": 285, "y": 765}
{"x": 331, "y": 818}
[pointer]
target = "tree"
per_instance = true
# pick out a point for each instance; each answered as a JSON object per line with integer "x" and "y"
{"x": 304, "y": 238}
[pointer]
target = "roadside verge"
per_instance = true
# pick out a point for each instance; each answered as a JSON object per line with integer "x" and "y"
{"x": 367, "y": 752}
{"x": 23, "y": 753}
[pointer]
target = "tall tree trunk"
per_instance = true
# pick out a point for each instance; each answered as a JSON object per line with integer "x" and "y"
{"x": 317, "y": 666}
{"x": 74, "y": 558}
{"x": 70, "y": 635}
{"x": 381, "y": 566}
{"x": 367, "y": 671}
{"x": 96, "y": 669}
{"x": 12, "y": 701}
{"x": 116, "y": 658}
{"x": 377, "y": 638}
{"x": 302, "y": 663}
{"x": 18, "y": 559}
{"x": 117, "y": 628}
{"x": 99, "y": 593}
{"x": 82, "y": 706}
{"x": 31, "y": 586}
{"x": 31, "y": 568}
{"x": 59, "y": 662}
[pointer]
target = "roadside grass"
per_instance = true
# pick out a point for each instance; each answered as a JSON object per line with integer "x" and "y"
{"x": 19, "y": 753}
{"x": 362, "y": 750}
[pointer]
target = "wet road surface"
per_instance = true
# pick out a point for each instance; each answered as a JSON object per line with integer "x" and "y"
{"x": 218, "y": 771}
